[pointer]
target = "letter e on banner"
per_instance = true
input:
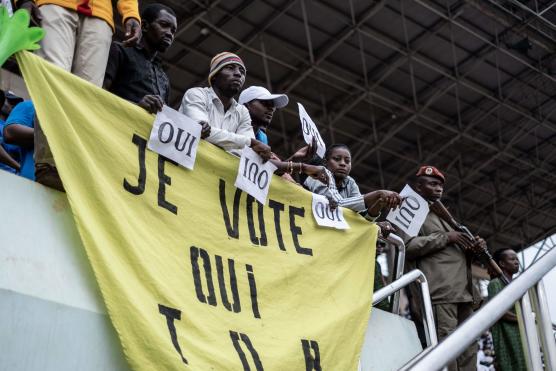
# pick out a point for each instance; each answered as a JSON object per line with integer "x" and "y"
{"x": 411, "y": 214}
{"x": 310, "y": 130}
{"x": 254, "y": 176}
{"x": 324, "y": 216}
{"x": 175, "y": 136}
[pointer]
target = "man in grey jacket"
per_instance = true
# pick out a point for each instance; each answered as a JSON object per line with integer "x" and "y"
{"x": 444, "y": 256}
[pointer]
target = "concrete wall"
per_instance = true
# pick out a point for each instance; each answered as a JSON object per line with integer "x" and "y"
{"x": 51, "y": 315}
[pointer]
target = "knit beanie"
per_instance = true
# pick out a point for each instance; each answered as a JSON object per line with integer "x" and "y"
{"x": 222, "y": 59}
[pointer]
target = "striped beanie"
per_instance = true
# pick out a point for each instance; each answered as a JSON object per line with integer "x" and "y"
{"x": 222, "y": 59}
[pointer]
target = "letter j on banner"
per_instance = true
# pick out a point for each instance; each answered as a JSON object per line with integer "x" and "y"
{"x": 411, "y": 214}
{"x": 310, "y": 130}
{"x": 175, "y": 136}
{"x": 326, "y": 217}
{"x": 254, "y": 176}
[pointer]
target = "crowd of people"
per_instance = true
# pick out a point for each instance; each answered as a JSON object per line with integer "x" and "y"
{"x": 79, "y": 39}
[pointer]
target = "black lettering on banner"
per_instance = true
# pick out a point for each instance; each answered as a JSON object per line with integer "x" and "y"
{"x": 296, "y": 230}
{"x": 236, "y": 307}
{"x": 231, "y": 228}
{"x": 141, "y": 179}
{"x": 251, "y": 225}
{"x": 253, "y": 290}
{"x": 171, "y": 315}
{"x": 260, "y": 211}
{"x": 312, "y": 359}
{"x": 164, "y": 179}
{"x": 195, "y": 252}
{"x": 277, "y": 207}
{"x": 254, "y": 355}
{"x": 161, "y": 132}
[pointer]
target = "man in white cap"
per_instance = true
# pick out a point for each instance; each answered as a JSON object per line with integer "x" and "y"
{"x": 261, "y": 105}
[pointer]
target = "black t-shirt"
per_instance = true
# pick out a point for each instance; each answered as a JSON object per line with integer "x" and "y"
{"x": 134, "y": 75}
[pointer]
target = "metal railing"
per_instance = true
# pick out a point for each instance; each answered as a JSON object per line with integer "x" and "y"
{"x": 414, "y": 276}
{"x": 470, "y": 330}
{"x": 540, "y": 306}
{"x": 398, "y": 260}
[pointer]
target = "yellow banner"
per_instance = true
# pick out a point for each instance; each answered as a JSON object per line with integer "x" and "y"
{"x": 195, "y": 274}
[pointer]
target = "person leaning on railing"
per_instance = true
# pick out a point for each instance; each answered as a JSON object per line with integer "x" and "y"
{"x": 135, "y": 73}
{"x": 225, "y": 122}
{"x": 262, "y": 105}
{"x": 342, "y": 190}
{"x": 505, "y": 333}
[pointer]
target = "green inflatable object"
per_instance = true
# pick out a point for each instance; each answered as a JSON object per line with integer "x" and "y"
{"x": 16, "y": 35}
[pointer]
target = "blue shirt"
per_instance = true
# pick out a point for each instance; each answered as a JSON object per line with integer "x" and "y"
{"x": 23, "y": 114}
{"x": 261, "y": 136}
{"x": 10, "y": 148}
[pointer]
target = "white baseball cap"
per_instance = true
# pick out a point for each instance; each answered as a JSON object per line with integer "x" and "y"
{"x": 260, "y": 93}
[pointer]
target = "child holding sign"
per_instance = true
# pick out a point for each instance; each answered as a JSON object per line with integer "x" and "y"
{"x": 342, "y": 190}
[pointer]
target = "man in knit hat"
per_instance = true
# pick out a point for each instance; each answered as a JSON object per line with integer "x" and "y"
{"x": 227, "y": 122}
{"x": 444, "y": 256}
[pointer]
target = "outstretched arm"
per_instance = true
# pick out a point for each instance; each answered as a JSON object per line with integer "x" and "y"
{"x": 305, "y": 153}
{"x": 377, "y": 200}
{"x": 316, "y": 172}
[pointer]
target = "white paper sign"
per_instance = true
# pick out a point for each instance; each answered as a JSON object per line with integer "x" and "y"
{"x": 326, "y": 217}
{"x": 253, "y": 176}
{"x": 175, "y": 136}
{"x": 411, "y": 214}
{"x": 310, "y": 130}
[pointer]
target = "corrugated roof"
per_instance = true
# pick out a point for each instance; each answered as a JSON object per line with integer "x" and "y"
{"x": 448, "y": 83}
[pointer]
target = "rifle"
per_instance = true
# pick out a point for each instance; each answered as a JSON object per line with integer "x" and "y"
{"x": 439, "y": 209}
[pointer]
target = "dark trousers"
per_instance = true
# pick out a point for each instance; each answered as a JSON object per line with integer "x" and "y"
{"x": 447, "y": 318}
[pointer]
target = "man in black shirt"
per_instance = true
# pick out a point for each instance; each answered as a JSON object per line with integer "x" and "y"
{"x": 135, "y": 73}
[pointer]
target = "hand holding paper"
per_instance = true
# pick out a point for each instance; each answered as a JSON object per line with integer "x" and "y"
{"x": 411, "y": 214}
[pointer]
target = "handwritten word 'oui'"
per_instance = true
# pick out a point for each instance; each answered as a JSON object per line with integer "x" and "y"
{"x": 166, "y": 135}
{"x": 255, "y": 175}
